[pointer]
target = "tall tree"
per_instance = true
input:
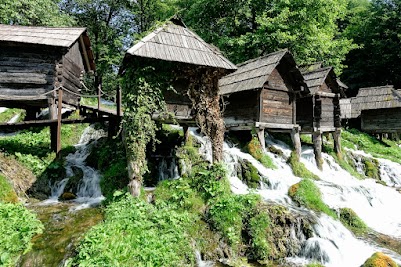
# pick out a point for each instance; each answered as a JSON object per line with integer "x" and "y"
{"x": 249, "y": 28}
{"x": 376, "y": 28}
{"x": 32, "y": 12}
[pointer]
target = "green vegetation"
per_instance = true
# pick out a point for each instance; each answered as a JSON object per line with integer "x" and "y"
{"x": 314, "y": 265}
{"x": 307, "y": 194}
{"x": 7, "y": 193}
{"x": 379, "y": 259}
{"x": 350, "y": 219}
{"x": 386, "y": 149}
{"x": 299, "y": 169}
{"x": 255, "y": 149}
{"x": 8, "y": 114}
{"x": 136, "y": 233}
{"x": 372, "y": 168}
{"x": 17, "y": 227}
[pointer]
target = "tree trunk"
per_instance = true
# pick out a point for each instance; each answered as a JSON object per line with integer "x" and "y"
{"x": 204, "y": 94}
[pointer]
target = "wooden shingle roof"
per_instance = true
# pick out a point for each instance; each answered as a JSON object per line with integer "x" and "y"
{"x": 375, "y": 98}
{"x": 317, "y": 77}
{"x": 254, "y": 73}
{"x": 175, "y": 42}
{"x": 63, "y": 37}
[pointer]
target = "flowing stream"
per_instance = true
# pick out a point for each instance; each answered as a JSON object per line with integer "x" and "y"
{"x": 88, "y": 192}
{"x": 332, "y": 244}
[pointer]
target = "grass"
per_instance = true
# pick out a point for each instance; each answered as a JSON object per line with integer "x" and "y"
{"x": 93, "y": 102}
{"x": 386, "y": 149}
{"x": 299, "y": 169}
{"x": 307, "y": 194}
{"x": 8, "y": 114}
{"x": 7, "y": 193}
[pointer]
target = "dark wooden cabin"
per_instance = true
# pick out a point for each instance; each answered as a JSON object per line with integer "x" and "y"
{"x": 193, "y": 63}
{"x": 319, "y": 112}
{"x": 36, "y": 60}
{"x": 378, "y": 108}
{"x": 262, "y": 94}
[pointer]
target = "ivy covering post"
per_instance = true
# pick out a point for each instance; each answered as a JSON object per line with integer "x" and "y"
{"x": 171, "y": 57}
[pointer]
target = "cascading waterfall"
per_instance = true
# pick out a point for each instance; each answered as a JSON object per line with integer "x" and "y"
{"x": 332, "y": 244}
{"x": 88, "y": 191}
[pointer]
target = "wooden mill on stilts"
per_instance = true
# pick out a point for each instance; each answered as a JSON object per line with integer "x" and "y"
{"x": 262, "y": 94}
{"x": 319, "y": 112}
{"x": 42, "y": 67}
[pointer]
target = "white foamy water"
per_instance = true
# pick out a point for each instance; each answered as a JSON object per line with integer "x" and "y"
{"x": 378, "y": 206}
{"x": 88, "y": 192}
{"x": 332, "y": 244}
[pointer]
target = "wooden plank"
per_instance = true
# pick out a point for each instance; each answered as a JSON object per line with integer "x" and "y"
{"x": 267, "y": 125}
{"x": 24, "y": 78}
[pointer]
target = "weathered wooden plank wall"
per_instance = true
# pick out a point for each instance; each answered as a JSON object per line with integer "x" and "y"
{"x": 381, "y": 120}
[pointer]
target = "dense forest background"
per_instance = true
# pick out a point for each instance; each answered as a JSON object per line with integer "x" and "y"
{"x": 360, "y": 38}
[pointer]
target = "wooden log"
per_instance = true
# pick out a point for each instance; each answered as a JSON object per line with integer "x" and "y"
{"x": 24, "y": 78}
{"x": 261, "y": 137}
{"x": 317, "y": 148}
{"x": 337, "y": 142}
{"x": 59, "y": 111}
{"x": 296, "y": 141}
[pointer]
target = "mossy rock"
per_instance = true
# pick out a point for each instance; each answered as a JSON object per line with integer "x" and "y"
{"x": 67, "y": 196}
{"x": 299, "y": 169}
{"x": 74, "y": 180}
{"x": 350, "y": 219}
{"x": 249, "y": 174}
{"x": 379, "y": 259}
{"x": 255, "y": 149}
{"x": 275, "y": 151}
{"x": 372, "y": 168}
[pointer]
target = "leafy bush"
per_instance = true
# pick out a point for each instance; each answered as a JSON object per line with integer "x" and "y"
{"x": 299, "y": 169}
{"x": 136, "y": 233}
{"x": 255, "y": 149}
{"x": 307, "y": 194}
{"x": 7, "y": 193}
{"x": 17, "y": 227}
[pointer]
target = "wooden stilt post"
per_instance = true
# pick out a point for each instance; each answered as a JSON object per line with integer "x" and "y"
{"x": 337, "y": 142}
{"x": 118, "y": 101}
{"x": 59, "y": 113}
{"x": 186, "y": 133}
{"x": 317, "y": 148}
{"x": 296, "y": 140}
{"x": 261, "y": 137}
{"x": 53, "y": 116}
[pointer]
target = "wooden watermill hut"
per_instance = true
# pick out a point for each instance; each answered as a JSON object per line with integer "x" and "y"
{"x": 378, "y": 108}
{"x": 319, "y": 112}
{"x": 34, "y": 61}
{"x": 196, "y": 65}
{"x": 262, "y": 94}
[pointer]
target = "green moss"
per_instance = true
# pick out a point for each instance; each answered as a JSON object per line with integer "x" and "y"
{"x": 379, "y": 259}
{"x": 307, "y": 194}
{"x": 351, "y": 220}
{"x": 299, "y": 169}
{"x": 372, "y": 168}
{"x": 255, "y": 149}
{"x": 314, "y": 265}
{"x": 250, "y": 175}
{"x": 7, "y": 193}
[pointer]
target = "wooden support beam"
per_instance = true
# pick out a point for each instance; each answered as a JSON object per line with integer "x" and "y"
{"x": 118, "y": 101}
{"x": 337, "y": 142}
{"x": 261, "y": 137}
{"x": 296, "y": 140}
{"x": 186, "y": 133}
{"x": 59, "y": 114}
{"x": 317, "y": 148}
{"x": 53, "y": 116}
